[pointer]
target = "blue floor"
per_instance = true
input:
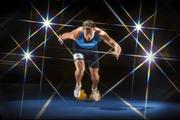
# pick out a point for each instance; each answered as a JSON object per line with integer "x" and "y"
{"x": 107, "y": 108}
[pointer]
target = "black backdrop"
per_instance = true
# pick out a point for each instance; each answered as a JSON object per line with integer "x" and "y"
{"x": 111, "y": 71}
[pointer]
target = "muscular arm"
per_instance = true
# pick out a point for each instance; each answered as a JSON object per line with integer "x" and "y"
{"x": 70, "y": 35}
{"x": 105, "y": 37}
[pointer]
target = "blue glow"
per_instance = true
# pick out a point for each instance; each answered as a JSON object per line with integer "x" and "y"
{"x": 107, "y": 108}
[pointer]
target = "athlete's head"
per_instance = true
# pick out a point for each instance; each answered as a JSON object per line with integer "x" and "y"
{"x": 88, "y": 28}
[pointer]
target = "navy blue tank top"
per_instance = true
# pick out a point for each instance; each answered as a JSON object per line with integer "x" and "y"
{"x": 83, "y": 43}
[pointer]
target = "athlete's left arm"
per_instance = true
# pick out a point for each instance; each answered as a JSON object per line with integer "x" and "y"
{"x": 107, "y": 39}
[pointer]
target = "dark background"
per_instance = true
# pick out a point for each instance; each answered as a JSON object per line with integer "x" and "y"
{"x": 61, "y": 72}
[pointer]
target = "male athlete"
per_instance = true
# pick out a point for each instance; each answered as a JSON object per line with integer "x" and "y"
{"x": 86, "y": 39}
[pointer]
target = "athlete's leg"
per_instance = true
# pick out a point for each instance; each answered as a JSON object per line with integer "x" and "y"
{"x": 95, "y": 94}
{"x": 79, "y": 72}
{"x": 94, "y": 77}
{"x": 94, "y": 71}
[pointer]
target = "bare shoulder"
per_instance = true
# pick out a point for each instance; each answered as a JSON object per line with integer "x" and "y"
{"x": 77, "y": 32}
{"x": 100, "y": 32}
{"x": 79, "y": 29}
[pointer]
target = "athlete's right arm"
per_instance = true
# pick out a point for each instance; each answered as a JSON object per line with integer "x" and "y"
{"x": 73, "y": 35}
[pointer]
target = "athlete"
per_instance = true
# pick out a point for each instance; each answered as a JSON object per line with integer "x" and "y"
{"x": 85, "y": 49}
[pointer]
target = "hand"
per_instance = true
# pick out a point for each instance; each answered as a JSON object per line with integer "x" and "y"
{"x": 116, "y": 54}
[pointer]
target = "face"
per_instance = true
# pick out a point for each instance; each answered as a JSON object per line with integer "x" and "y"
{"x": 88, "y": 33}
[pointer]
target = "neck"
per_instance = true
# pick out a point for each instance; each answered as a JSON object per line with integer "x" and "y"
{"x": 88, "y": 38}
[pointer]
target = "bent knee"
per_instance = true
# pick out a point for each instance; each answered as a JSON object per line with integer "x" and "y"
{"x": 95, "y": 76}
{"x": 80, "y": 70}
{"x": 80, "y": 66}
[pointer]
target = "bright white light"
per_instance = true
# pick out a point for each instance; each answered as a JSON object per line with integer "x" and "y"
{"x": 150, "y": 57}
{"x": 138, "y": 27}
{"x": 47, "y": 23}
{"x": 27, "y": 56}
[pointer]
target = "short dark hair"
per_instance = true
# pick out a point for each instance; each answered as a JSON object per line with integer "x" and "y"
{"x": 88, "y": 24}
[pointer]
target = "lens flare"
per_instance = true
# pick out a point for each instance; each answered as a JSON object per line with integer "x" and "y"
{"x": 150, "y": 57}
{"x": 138, "y": 27}
{"x": 27, "y": 55}
{"x": 47, "y": 23}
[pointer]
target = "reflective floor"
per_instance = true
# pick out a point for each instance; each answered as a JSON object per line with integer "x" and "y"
{"x": 108, "y": 107}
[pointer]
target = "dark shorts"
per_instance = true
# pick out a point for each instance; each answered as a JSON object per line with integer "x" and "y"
{"x": 90, "y": 56}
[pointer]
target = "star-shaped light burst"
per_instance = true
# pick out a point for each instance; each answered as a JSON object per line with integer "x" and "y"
{"x": 27, "y": 55}
{"x": 138, "y": 27}
{"x": 47, "y": 23}
{"x": 150, "y": 57}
